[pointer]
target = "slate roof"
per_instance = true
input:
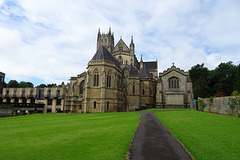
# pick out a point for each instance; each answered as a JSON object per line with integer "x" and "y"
{"x": 150, "y": 65}
{"x": 133, "y": 71}
{"x": 144, "y": 73}
{"x": 103, "y": 54}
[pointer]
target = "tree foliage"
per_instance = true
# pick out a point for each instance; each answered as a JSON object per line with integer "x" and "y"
{"x": 199, "y": 76}
{"x": 223, "y": 80}
{"x": 237, "y": 82}
{"x": 26, "y": 85}
{"x": 41, "y": 86}
{"x": 12, "y": 84}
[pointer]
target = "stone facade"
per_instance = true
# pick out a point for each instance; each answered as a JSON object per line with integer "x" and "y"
{"x": 174, "y": 89}
{"x": 115, "y": 81}
{"x": 124, "y": 83}
{"x": 31, "y": 99}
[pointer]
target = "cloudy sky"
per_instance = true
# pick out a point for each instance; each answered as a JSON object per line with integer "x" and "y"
{"x": 48, "y": 41}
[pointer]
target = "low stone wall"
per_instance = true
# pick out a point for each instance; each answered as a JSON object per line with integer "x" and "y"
{"x": 221, "y": 105}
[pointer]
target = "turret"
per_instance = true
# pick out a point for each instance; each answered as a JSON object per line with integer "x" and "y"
{"x": 132, "y": 46}
{"x": 107, "y": 40}
{"x": 141, "y": 63}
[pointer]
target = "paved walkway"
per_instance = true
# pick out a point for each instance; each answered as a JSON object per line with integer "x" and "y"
{"x": 152, "y": 141}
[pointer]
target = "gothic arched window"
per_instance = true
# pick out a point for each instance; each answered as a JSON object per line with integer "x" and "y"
{"x": 96, "y": 78}
{"x": 81, "y": 87}
{"x": 173, "y": 83}
{"x": 133, "y": 88}
{"x": 143, "y": 89}
{"x": 95, "y": 105}
{"x": 109, "y": 79}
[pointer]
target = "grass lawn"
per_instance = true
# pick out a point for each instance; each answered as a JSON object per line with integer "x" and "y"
{"x": 67, "y": 136}
{"x": 205, "y": 135}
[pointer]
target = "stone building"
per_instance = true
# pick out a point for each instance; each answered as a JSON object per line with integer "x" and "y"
{"x": 2, "y": 76}
{"x": 174, "y": 88}
{"x": 116, "y": 81}
{"x": 37, "y": 100}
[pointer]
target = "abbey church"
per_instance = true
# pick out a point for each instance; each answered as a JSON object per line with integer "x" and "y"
{"x": 116, "y": 81}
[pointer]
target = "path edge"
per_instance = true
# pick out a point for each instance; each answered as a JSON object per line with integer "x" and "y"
{"x": 128, "y": 154}
{"x": 176, "y": 139}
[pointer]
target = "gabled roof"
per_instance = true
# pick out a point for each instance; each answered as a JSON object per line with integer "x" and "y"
{"x": 103, "y": 54}
{"x": 151, "y": 65}
{"x": 133, "y": 71}
{"x": 144, "y": 73}
{"x": 173, "y": 68}
{"x": 115, "y": 49}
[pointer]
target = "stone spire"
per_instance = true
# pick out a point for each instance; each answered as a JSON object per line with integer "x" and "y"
{"x": 132, "y": 47}
{"x": 141, "y": 63}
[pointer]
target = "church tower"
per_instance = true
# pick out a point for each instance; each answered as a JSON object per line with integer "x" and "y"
{"x": 107, "y": 40}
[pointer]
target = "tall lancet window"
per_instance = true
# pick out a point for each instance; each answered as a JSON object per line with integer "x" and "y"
{"x": 81, "y": 87}
{"x": 173, "y": 83}
{"x": 96, "y": 78}
{"x": 143, "y": 89}
{"x": 109, "y": 79}
{"x": 133, "y": 88}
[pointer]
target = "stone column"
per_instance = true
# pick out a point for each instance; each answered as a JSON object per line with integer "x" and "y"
{"x": 87, "y": 84}
{"x": 62, "y": 104}
{"x": 54, "y": 104}
{"x": 45, "y": 106}
{"x": 103, "y": 97}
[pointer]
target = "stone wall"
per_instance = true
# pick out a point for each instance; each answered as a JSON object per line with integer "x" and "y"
{"x": 221, "y": 105}
{"x": 6, "y": 110}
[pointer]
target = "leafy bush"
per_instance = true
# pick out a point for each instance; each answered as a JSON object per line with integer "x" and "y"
{"x": 202, "y": 105}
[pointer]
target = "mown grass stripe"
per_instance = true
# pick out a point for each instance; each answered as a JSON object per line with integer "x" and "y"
{"x": 67, "y": 136}
{"x": 205, "y": 135}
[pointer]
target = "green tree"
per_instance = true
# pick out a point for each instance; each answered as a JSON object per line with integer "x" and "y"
{"x": 12, "y": 84}
{"x": 23, "y": 84}
{"x": 199, "y": 77}
{"x": 52, "y": 85}
{"x": 223, "y": 77}
{"x": 237, "y": 81}
{"x": 41, "y": 86}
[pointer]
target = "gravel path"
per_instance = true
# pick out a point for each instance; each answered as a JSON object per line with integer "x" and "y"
{"x": 153, "y": 141}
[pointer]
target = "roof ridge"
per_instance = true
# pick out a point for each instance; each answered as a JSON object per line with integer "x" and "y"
{"x": 103, "y": 54}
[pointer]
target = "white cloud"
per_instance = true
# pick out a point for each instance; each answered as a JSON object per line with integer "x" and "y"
{"x": 53, "y": 40}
